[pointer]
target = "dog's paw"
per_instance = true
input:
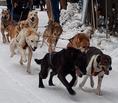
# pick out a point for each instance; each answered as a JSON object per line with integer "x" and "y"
{"x": 29, "y": 71}
{"x": 71, "y": 91}
{"x": 98, "y": 92}
{"x": 24, "y": 60}
{"x": 41, "y": 86}
{"x": 51, "y": 84}
{"x": 12, "y": 55}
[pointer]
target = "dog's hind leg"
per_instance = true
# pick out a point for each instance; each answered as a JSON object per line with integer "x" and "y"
{"x": 98, "y": 90}
{"x": 29, "y": 60}
{"x": 91, "y": 81}
{"x": 22, "y": 53}
{"x": 12, "y": 47}
{"x": 41, "y": 85}
{"x": 84, "y": 81}
{"x": 8, "y": 38}
{"x": 51, "y": 78}
{"x": 62, "y": 78}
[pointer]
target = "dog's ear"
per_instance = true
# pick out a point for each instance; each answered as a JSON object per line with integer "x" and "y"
{"x": 36, "y": 12}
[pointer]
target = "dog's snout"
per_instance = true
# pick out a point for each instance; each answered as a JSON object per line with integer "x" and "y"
{"x": 110, "y": 68}
{"x": 34, "y": 48}
{"x": 32, "y": 19}
{"x": 107, "y": 72}
{"x": 5, "y": 17}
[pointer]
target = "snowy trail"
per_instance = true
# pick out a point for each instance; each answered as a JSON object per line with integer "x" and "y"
{"x": 17, "y": 86}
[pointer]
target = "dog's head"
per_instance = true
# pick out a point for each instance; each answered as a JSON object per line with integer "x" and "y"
{"x": 32, "y": 39}
{"x": 80, "y": 41}
{"x": 5, "y": 14}
{"x": 57, "y": 29}
{"x": 32, "y": 17}
{"x": 104, "y": 63}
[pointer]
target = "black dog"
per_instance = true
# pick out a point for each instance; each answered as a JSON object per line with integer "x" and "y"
{"x": 62, "y": 63}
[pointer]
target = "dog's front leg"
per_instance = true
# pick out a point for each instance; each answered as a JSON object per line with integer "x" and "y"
{"x": 22, "y": 53}
{"x": 51, "y": 78}
{"x": 91, "y": 81}
{"x": 41, "y": 85}
{"x": 29, "y": 60}
{"x": 62, "y": 78}
{"x": 98, "y": 90}
{"x": 3, "y": 36}
{"x": 84, "y": 81}
{"x": 72, "y": 82}
{"x": 12, "y": 47}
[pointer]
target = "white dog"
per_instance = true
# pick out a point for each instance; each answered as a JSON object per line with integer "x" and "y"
{"x": 26, "y": 39}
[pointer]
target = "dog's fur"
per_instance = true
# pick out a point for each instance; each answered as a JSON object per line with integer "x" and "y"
{"x": 81, "y": 40}
{"x": 62, "y": 63}
{"x": 98, "y": 65}
{"x": 33, "y": 19}
{"x": 27, "y": 38}
{"x": 51, "y": 35}
{"x": 14, "y": 29}
{"x": 5, "y": 21}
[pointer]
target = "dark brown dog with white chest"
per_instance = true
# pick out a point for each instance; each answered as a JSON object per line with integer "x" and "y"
{"x": 98, "y": 64}
{"x": 62, "y": 63}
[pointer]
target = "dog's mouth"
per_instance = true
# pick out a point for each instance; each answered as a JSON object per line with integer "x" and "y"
{"x": 32, "y": 19}
{"x": 106, "y": 72}
{"x": 5, "y": 17}
{"x": 33, "y": 49}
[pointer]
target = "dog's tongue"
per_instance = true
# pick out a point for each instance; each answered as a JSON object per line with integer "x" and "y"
{"x": 78, "y": 73}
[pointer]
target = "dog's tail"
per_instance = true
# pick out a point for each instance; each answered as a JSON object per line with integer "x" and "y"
{"x": 38, "y": 61}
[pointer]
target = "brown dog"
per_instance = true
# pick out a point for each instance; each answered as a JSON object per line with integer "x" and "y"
{"x": 81, "y": 40}
{"x": 51, "y": 35}
{"x": 5, "y": 21}
{"x": 14, "y": 29}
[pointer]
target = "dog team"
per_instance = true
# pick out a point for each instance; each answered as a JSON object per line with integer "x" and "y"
{"x": 77, "y": 59}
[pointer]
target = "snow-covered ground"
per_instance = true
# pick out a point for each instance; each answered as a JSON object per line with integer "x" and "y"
{"x": 17, "y": 86}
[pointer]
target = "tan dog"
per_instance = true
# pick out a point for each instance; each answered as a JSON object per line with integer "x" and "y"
{"x": 26, "y": 39}
{"x": 5, "y": 21}
{"x": 33, "y": 19}
{"x": 14, "y": 29}
{"x": 51, "y": 35}
{"x": 81, "y": 40}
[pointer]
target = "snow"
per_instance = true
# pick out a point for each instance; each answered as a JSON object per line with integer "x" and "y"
{"x": 17, "y": 86}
